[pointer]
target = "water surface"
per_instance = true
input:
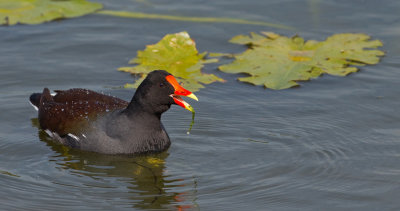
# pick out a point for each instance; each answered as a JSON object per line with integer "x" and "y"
{"x": 332, "y": 144}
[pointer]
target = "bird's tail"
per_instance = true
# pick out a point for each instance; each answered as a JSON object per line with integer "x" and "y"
{"x": 37, "y": 98}
{"x": 34, "y": 99}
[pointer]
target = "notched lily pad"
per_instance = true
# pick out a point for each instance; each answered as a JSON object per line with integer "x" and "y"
{"x": 277, "y": 62}
{"x": 177, "y": 54}
{"x": 39, "y": 11}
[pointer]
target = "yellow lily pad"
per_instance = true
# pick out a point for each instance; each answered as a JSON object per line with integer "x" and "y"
{"x": 277, "y": 62}
{"x": 177, "y": 54}
{"x": 39, "y": 11}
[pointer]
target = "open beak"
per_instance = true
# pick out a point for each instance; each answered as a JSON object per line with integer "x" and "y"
{"x": 180, "y": 91}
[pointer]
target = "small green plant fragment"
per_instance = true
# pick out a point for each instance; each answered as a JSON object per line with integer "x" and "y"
{"x": 39, "y": 11}
{"x": 139, "y": 15}
{"x": 257, "y": 141}
{"x": 277, "y": 62}
{"x": 8, "y": 173}
{"x": 191, "y": 123}
{"x": 228, "y": 55}
{"x": 177, "y": 54}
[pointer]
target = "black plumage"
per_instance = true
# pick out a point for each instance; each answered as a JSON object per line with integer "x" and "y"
{"x": 87, "y": 120}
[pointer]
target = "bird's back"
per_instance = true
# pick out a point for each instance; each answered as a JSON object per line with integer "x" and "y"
{"x": 70, "y": 111}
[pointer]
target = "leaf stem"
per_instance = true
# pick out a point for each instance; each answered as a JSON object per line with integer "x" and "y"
{"x": 140, "y": 15}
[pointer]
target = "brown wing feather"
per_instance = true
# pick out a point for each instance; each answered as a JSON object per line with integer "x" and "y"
{"x": 70, "y": 111}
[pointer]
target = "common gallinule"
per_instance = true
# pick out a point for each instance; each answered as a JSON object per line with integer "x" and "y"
{"x": 87, "y": 120}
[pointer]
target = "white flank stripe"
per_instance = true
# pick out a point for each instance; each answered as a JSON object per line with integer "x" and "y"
{"x": 73, "y": 136}
{"x": 49, "y": 133}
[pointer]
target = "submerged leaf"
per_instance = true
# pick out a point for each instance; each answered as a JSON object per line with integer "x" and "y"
{"x": 277, "y": 62}
{"x": 39, "y": 11}
{"x": 128, "y": 14}
{"x": 13, "y": 175}
{"x": 177, "y": 54}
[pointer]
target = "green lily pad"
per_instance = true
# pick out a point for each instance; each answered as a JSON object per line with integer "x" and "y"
{"x": 39, "y": 11}
{"x": 177, "y": 54}
{"x": 277, "y": 62}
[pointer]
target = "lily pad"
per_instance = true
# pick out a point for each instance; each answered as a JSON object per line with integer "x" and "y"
{"x": 277, "y": 62}
{"x": 39, "y": 11}
{"x": 177, "y": 54}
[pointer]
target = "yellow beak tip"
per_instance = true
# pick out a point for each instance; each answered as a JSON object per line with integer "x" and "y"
{"x": 193, "y": 97}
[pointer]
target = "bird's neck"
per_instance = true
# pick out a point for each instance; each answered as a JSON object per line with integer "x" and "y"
{"x": 140, "y": 104}
{"x": 136, "y": 110}
{"x": 148, "y": 124}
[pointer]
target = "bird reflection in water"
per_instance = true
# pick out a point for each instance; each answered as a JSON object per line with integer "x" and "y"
{"x": 148, "y": 186}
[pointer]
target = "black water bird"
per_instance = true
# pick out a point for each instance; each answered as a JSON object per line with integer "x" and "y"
{"x": 91, "y": 121}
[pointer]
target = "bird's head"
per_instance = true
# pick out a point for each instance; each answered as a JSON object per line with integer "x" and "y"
{"x": 159, "y": 90}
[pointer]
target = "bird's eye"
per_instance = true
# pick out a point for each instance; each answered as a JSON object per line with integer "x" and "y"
{"x": 161, "y": 84}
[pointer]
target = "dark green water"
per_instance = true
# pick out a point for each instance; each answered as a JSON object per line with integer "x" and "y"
{"x": 332, "y": 144}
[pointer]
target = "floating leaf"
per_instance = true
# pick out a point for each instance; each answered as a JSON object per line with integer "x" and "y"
{"x": 127, "y": 14}
{"x": 39, "y": 11}
{"x": 277, "y": 62}
{"x": 177, "y": 54}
